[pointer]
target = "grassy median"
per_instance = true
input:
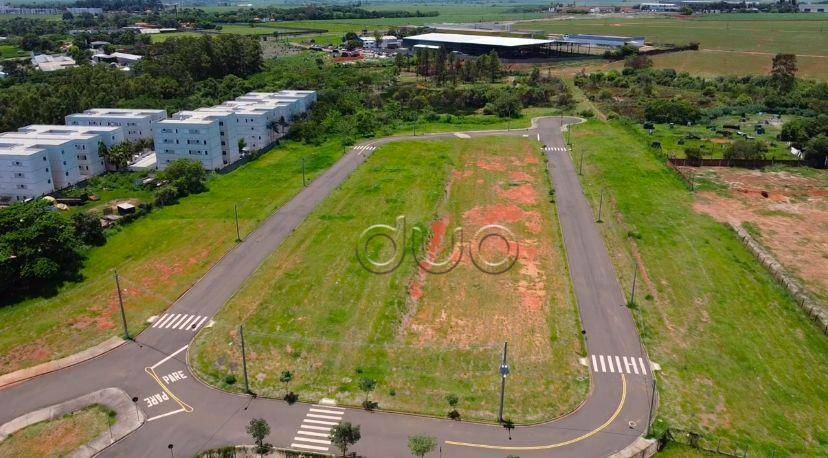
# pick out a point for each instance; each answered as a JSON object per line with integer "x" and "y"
{"x": 740, "y": 360}
{"x": 312, "y": 309}
{"x": 58, "y": 437}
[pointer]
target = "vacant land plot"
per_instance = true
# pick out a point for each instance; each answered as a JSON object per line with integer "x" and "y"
{"x": 740, "y": 360}
{"x": 786, "y": 210}
{"x": 158, "y": 257}
{"x": 731, "y": 44}
{"x": 58, "y": 437}
{"x": 11, "y": 51}
{"x": 314, "y": 310}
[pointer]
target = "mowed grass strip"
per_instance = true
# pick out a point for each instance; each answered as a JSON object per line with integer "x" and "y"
{"x": 740, "y": 360}
{"x": 158, "y": 257}
{"x": 58, "y": 437}
{"x": 312, "y": 309}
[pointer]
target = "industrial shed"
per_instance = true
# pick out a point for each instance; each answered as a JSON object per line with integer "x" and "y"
{"x": 475, "y": 45}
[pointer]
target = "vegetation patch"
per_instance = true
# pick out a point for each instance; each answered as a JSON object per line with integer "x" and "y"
{"x": 408, "y": 340}
{"x": 58, "y": 437}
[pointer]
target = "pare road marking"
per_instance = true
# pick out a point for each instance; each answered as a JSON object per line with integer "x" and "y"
{"x": 178, "y": 375}
{"x": 559, "y": 444}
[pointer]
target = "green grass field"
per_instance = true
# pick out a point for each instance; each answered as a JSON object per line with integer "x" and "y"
{"x": 58, "y": 437}
{"x": 312, "y": 309}
{"x": 11, "y": 51}
{"x": 731, "y": 44}
{"x": 740, "y": 361}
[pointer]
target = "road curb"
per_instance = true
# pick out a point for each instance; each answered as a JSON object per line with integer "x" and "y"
{"x": 62, "y": 363}
{"x": 129, "y": 418}
{"x": 641, "y": 448}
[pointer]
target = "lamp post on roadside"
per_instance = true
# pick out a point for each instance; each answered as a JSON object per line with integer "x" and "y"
{"x": 632, "y": 291}
{"x": 600, "y": 206}
{"x": 171, "y": 450}
{"x": 244, "y": 361}
{"x": 504, "y": 371}
{"x": 135, "y": 402}
{"x": 236, "y": 212}
{"x": 121, "y": 303}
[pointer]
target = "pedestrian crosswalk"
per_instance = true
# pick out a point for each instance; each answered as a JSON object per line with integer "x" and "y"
{"x": 314, "y": 432}
{"x": 549, "y": 149}
{"x": 364, "y": 148}
{"x": 619, "y": 364}
{"x": 179, "y": 321}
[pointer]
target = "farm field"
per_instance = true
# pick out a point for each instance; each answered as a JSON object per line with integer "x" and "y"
{"x": 11, "y": 51}
{"x": 740, "y": 361}
{"x": 58, "y": 437}
{"x": 792, "y": 221}
{"x": 319, "y": 314}
{"x": 730, "y": 44}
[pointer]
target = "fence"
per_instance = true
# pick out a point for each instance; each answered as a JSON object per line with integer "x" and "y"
{"x": 699, "y": 441}
{"x": 741, "y": 163}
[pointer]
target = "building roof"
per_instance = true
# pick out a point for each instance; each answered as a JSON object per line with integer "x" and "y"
{"x": 49, "y": 129}
{"x": 119, "y": 113}
{"x": 49, "y": 63}
{"x": 602, "y": 37}
{"x": 485, "y": 40}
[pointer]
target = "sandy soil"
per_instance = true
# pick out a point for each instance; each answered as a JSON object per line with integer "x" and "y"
{"x": 788, "y": 209}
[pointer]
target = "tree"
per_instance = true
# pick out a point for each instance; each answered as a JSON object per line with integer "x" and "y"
{"x": 452, "y": 400}
{"x": 242, "y": 145}
{"x": 638, "y": 62}
{"x": 506, "y": 105}
{"x": 687, "y": 11}
{"x": 692, "y": 153}
{"x": 38, "y": 248}
{"x": 783, "y": 71}
{"x": 286, "y": 378}
{"x": 420, "y": 445}
{"x": 345, "y": 435}
{"x": 88, "y": 229}
{"x": 816, "y": 151}
{"x": 745, "y": 149}
{"x": 118, "y": 156}
{"x": 186, "y": 176}
{"x": 258, "y": 430}
{"x": 367, "y": 385}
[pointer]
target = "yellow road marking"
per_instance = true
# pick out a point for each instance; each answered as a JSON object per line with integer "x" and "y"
{"x": 183, "y": 404}
{"x": 559, "y": 444}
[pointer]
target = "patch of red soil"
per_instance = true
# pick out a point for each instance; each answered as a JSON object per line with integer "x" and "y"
{"x": 524, "y": 194}
{"x": 439, "y": 228}
{"x": 19, "y": 356}
{"x": 459, "y": 174}
{"x": 521, "y": 176}
{"x": 493, "y": 165}
{"x": 502, "y": 214}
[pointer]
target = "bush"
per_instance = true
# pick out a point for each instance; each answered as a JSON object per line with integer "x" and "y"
{"x": 693, "y": 153}
{"x": 454, "y": 415}
{"x": 186, "y": 176}
{"x": 674, "y": 110}
{"x": 291, "y": 397}
{"x": 745, "y": 149}
{"x": 586, "y": 113}
{"x": 88, "y": 229}
{"x": 165, "y": 195}
{"x": 230, "y": 379}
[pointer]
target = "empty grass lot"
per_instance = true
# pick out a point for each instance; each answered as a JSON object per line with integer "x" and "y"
{"x": 58, "y": 437}
{"x": 314, "y": 310}
{"x": 740, "y": 361}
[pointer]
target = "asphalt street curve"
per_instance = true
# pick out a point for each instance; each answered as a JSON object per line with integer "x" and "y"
{"x": 190, "y": 416}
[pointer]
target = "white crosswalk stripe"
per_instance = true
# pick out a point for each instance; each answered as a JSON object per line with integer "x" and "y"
{"x": 314, "y": 432}
{"x": 364, "y": 148}
{"x": 615, "y": 364}
{"x": 179, "y": 321}
{"x": 549, "y": 149}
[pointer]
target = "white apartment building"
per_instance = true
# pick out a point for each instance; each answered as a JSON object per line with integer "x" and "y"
{"x": 298, "y": 101}
{"x": 137, "y": 124}
{"x": 110, "y": 135}
{"x": 84, "y": 145}
{"x": 24, "y": 172}
{"x": 194, "y": 135}
{"x": 60, "y": 154}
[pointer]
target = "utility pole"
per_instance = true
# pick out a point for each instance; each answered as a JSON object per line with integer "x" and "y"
{"x": 632, "y": 291}
{"x": 121, "y": 303}
{"x": 304, "y": 183}
{"x": 238, "y": 233}
{"x": 600, "y": 206}
{"x": 244, "y": 361}
{"x": 581, "y": 164}
{"x": 652, "y": 403}
{"x": 504, "y": 371}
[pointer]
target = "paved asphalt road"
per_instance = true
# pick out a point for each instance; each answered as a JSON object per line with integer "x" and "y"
{"x": 192, "y": 416}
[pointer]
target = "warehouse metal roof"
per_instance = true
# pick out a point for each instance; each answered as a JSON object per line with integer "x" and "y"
{"x": 486, "y": 40}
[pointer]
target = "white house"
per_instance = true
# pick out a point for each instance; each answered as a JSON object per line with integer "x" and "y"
{"x": 813, "y": 8}
{"x": 25, "y": 172}
{"x": 137, "y": 124}
{"x": 84, "y": 145}
{"x": 61, "y": 155}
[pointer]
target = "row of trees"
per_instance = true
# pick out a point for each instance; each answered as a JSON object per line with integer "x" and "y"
{"x": 446, "y": 67}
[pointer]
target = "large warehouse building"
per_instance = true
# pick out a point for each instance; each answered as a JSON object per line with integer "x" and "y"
{"x": 475, "y": 45}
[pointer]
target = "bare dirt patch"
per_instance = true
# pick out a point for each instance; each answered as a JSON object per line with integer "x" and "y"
{"x": 788, "y": 209}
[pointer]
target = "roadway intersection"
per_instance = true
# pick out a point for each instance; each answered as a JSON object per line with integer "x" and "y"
{"x": 192, "y": 416}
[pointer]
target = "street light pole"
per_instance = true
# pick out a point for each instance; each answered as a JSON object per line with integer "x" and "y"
{"x": 304, "y": 183}
{"x": 600, "y": 205}
{"x": 236, "y": 212}
{"x": 244, "y": 360}
{"x": 171, "y": 450}
{"x": 581, "y": 164}
{"x": 635, "y": 275}
{"x": 121, "y": 303}
{"x": 504, "y": 371}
